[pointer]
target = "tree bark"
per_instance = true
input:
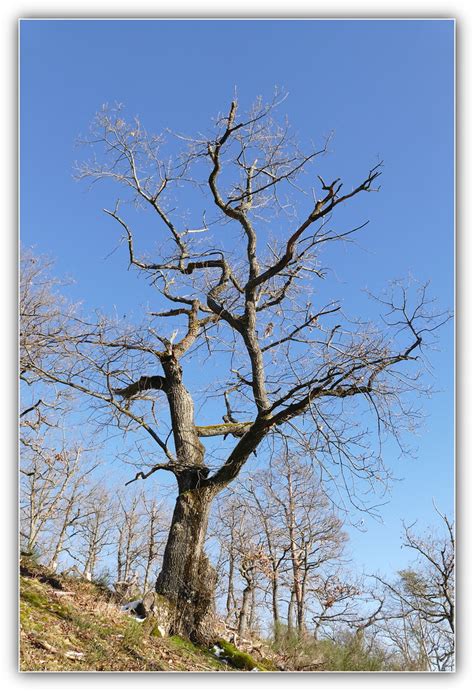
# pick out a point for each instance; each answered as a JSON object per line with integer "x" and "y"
{"x": 291, "y": 612}
{"x": 187, "y": 579}
{"x": 275, "y": 607}
{"x": 230, "y": 600}
{"x": 245, "y": 610}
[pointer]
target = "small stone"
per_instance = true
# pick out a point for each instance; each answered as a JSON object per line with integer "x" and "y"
{"x": 74, "y": 655}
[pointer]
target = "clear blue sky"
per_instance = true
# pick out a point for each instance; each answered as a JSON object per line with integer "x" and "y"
{"x": 384, "y": 87}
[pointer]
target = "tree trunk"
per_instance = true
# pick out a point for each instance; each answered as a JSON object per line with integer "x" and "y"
{"x": 300, "y": 617}
{"x": 252, "y": 620}
{"x": 291, "y": 610}
{"x": 230, "y": 599}
{"x": 245, "y": 610}
{"x": 275, "y": 607}
{"x": 187, "y": 579}
{"x": 151, "y": 547}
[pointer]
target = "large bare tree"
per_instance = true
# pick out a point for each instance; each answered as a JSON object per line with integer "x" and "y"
{"x": 242, "y": 219}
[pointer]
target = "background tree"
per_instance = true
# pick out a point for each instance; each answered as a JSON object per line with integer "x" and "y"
{"x": 226, "y": 532}
{"x": 261, "y": 505}
{"x": 420, "y": 604}
{"x": 233, "y": 294}
{"x": 312, "y": 529}
{"x": 44, "y": 320}
{"x": 54, "y": 481}
{"x": 78, "y": 471}
{"x": 129, "y": 544}
{"x": 155, "y": 529}
{"x": 95, "y": 533}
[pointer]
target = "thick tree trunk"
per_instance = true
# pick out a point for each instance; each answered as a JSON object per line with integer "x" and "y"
{"x": 187, "y": 579}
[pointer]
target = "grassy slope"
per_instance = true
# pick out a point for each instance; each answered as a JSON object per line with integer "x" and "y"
{"x": 86, "y": 631}
{"x": 68, "y": 624}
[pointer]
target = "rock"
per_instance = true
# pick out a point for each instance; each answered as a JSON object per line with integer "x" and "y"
{"x": 162, "y": 611}
{"x": 73, "y": 655}
{"x": 215, "y": 650}
{"x": 155, "y": 607}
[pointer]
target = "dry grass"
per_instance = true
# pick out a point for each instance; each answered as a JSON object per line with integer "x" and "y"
{"x": 81, "y": 628}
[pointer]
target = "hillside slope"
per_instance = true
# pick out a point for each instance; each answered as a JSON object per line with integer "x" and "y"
{"x": 67, "y": 624}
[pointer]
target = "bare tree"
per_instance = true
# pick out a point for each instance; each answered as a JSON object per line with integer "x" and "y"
{"x": 155, "y": 530}
{"x": 268, "y": 521}
{"x": 225, "y": 530}
{"x": 299, "y": 529}
{"x": 52, "y": 483}
{"x": 95, "y": 532}
{"x": 50, "y": 472}
{"x": 313, "y": 530}
{"x": 129, "y": 534}
{"x": 44, "y": 317}
{"x": 420, "y": 605}
{"x": 230, "y": 293}
{"x": 335, "y": 602}
{"x": 242, "y": 559}
{"x": 68, "y": 512}
{"x": 253, "y": 563}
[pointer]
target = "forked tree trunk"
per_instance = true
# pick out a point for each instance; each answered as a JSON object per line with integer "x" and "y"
{"x": 187, "y": 579}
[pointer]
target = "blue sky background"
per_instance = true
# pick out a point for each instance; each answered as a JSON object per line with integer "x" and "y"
{"x": 384, "y": 87}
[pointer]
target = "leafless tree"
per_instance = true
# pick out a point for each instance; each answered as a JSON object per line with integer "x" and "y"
{"x": 44, "y": 316}
{"x": 257, "y": 494}
{"x": 94, "y": 532}
{"x": 280, "y": 538}
{"x": 68, "y": 513}
{"x": 312, "y": 528}
{"x": 253, "y": 562}
{"x": 128, "y": 534}
{"x": 155, "y": 531}
{"x": 225, "y": 530}
{"x": 241, "y": 299}
{"x": 49, "y": 465}
{"x": 420, "y": 605}
{"x": 242, "y": 560}
{"x": 52, "y": 484}
{"x": 335, "y": 603}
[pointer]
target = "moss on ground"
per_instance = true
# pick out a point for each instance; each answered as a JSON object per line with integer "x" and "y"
{"x": 238, "y": 658}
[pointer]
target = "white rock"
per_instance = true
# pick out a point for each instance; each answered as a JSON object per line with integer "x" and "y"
{"x": 73, "y": 655}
